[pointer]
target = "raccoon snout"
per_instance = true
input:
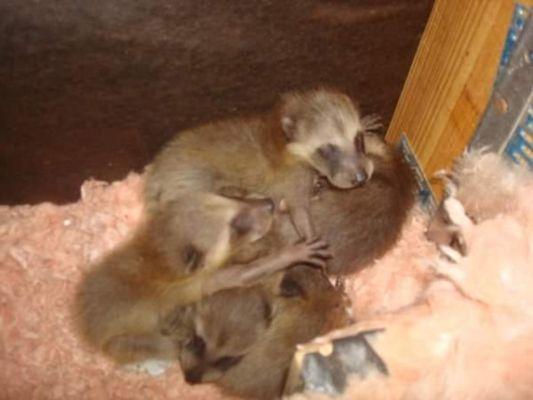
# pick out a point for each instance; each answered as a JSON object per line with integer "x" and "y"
{"x": 360, "y": 177}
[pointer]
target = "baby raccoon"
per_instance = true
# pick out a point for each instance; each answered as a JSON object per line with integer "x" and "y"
{"x": 276, "y": 154}
{"x": 244, "y": 340}
{"x": 121, "y": 301}
{"x": 361, "y": 225}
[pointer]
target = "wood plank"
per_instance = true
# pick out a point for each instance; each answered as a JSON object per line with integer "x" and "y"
{"x": 451, "y": 78}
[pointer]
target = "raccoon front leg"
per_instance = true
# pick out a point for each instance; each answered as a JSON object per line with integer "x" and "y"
{"x": 301, "y": 219}
{"x": 190, "y": 289}
{"x": 313, "y": 252}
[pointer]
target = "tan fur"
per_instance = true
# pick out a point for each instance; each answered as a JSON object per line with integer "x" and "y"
{"x": 275, "y": 154}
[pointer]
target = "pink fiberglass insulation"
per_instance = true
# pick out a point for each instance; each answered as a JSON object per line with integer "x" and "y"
{"x": 453, "y": 330}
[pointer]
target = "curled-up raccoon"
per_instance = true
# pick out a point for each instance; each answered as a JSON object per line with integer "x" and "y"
{"x": 361, "y": 225}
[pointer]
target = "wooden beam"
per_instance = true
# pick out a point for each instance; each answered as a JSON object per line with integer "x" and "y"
{"x": 451, "y": 78}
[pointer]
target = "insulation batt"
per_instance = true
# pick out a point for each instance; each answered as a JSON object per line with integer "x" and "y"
{"x": 453, "y": 330}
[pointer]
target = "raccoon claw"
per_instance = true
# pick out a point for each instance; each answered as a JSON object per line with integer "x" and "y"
{"x": 371, "y": 122}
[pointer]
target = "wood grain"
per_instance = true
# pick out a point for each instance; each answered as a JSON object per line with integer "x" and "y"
{"x": 451, "y": 78}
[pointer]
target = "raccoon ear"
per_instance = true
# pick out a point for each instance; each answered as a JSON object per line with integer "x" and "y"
{"x": 288, "y": 125}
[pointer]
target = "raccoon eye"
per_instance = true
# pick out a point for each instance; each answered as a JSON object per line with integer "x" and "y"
{"x": 328, "y": 151}
{"x": 359, "y": 142}
{"x": 196, "y": 346}
{"x": 225, "y": 363}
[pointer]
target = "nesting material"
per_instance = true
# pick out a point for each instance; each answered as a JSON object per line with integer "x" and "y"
{"x": 452, "y": 330}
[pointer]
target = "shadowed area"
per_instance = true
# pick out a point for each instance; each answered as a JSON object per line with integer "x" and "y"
{"x": 93, "y": 89}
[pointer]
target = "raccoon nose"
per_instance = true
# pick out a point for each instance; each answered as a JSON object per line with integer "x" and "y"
{"x": 360, "y": 177}
{"x": 193, "y": 376}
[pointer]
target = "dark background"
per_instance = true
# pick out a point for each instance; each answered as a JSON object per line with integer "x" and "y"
{"x": 94, "y": 88}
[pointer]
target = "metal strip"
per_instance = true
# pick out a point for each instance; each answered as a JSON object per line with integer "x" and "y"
{"x": 425, "y": 194}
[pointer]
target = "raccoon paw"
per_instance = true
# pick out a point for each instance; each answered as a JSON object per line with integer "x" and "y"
{"x": 449, "y": 222}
